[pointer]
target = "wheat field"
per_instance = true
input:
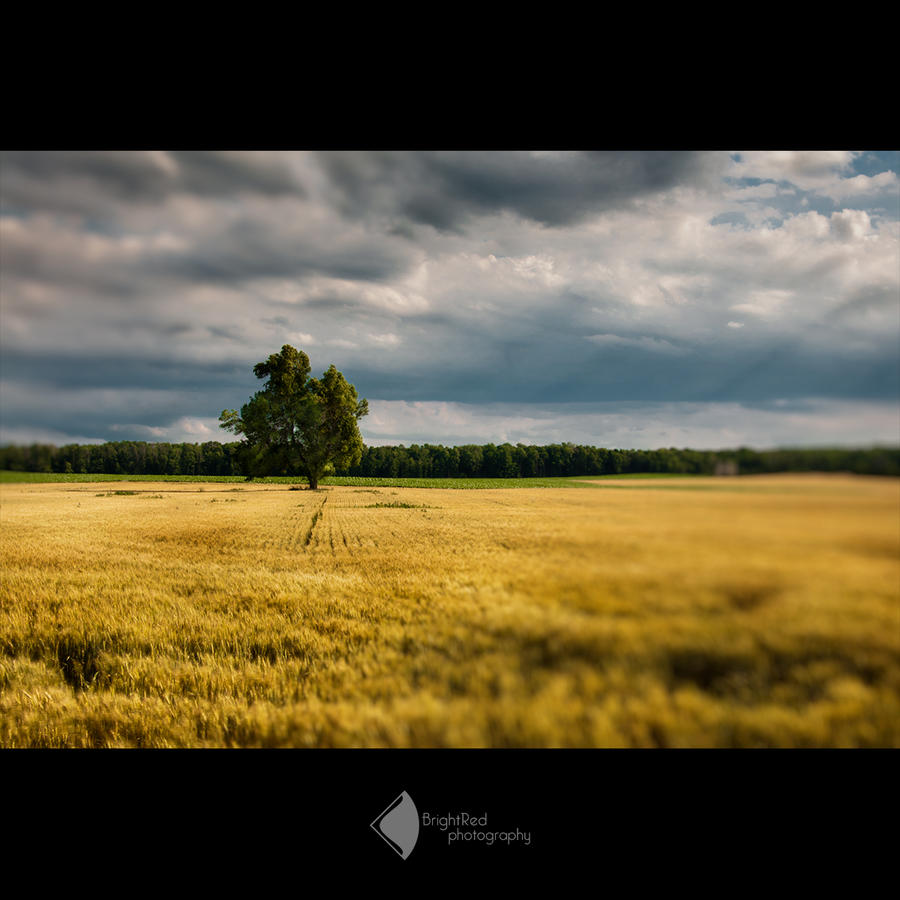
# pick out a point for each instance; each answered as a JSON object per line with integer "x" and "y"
{"x": 691, "y": 612}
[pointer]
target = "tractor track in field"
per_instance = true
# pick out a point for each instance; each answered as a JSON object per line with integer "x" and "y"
{"x": 317, "y": 515}
{"x": 339, "y": 538}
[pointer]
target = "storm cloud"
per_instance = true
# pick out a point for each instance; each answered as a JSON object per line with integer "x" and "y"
{"x": 102, "y": 183}
{"x": 602, "y": 295}
{"x": 450, "y": 190}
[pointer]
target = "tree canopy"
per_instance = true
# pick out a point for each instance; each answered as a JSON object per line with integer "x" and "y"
{"x": 436, "y": 461}
{"x": 299, "y": 424}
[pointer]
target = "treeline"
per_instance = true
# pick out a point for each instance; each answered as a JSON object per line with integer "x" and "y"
{"x": 127, "y": 458}
{"x": 435, "y": 461}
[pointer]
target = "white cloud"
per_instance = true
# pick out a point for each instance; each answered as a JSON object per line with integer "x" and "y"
{"x": 712, "y": 426}
{"x": 862, "y": 186}
{"x": 385, "y": 340}
{"x": 808, "y": 169}
{"x": 826, "y": 173}
{"x": 850, "y": 224}
{"x": 186, "y": 429}
{"x": 197, "y": 427}
{"x": 764, "y": 303}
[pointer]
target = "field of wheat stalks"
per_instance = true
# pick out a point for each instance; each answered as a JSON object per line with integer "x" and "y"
{"x": 691, "y": 612}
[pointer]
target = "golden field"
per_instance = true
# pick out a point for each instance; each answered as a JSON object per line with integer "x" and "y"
{"x": 685, "y": 612}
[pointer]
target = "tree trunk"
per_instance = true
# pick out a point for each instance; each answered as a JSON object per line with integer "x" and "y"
{"x": 313, "y": 482}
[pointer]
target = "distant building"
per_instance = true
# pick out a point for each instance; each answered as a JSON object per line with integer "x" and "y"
{"x": 726, "y": 467}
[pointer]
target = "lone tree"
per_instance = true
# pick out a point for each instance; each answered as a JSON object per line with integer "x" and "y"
{"x": 297, "y": 423}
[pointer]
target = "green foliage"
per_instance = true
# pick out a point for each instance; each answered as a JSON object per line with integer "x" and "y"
{"x": 298, "y": 423}
{"x": 215, "y": 461}
{"x": 9, "y": 477}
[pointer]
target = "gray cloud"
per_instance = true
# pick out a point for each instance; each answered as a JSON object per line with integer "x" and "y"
{"x": 445, "y": 190}
{"x": 259, "y": 242}
{"x": 138, "y": 290}
{"x": 248, "y": 250}
{"x": 92, "y": 183}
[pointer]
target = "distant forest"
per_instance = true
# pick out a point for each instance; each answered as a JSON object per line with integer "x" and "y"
{"x": 431, "y": 461}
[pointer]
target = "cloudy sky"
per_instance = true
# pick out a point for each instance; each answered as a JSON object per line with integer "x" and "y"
{"x": 627, "y": 299}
